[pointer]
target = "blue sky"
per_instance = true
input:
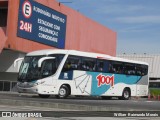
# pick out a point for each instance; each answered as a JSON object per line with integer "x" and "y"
{"x": 137, "y": 22}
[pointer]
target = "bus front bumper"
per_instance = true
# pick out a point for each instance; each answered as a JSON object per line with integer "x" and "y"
{"x": 27, "y": 90}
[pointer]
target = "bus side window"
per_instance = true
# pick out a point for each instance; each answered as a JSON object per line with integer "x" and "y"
{"x": 141, "y": 70}
{"x": 130, "y": 69}
{"x": 116, "y": 67}
{"x": 59, "y": 58}
{"x": 138, "y": 70}
{"x": 100, "y": 65}
{"x": 72, "y": 63}
{"x": 48, "y": 68}
{"x": 110, "y": 67}
{"x": 145, "y": 69}
{"x": 88, "y": 64}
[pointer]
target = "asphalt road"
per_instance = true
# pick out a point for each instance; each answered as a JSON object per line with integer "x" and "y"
{"x": 79, "y": 103}
{"x": 77, "y": 107}
{"x": 32, "y": 109}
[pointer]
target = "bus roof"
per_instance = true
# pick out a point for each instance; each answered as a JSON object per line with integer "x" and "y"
{"x": 80, "y": 53}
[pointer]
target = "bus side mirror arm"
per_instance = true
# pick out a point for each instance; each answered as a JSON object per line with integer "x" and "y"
{"x": 43, "y": 59}
{"x": 15, "y": 62}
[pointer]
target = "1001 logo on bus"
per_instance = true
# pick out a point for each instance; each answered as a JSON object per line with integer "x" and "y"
{"x": 108, "y": 80}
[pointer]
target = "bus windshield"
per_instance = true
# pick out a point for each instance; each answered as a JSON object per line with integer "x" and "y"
{"x": 30, "y": 71}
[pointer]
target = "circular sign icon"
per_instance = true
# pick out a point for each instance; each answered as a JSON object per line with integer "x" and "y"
{"x": 27, "y": 9}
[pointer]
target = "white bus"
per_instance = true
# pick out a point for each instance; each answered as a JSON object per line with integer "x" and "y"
{"x": 69, "y": 72}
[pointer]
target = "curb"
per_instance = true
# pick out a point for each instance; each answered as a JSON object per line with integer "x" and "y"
{"x": 56, "y": 105}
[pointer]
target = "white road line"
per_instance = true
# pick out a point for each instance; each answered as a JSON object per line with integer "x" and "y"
{"x": 150, "y": 101}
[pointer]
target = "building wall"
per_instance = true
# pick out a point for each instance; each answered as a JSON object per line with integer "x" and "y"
{"x": 7, "y": 58}
{"x": 81, "y": 33}
{"x": 3, "y": 38}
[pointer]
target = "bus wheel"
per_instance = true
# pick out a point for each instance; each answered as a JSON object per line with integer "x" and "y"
{"x": 63, "y": 92}
{"x": 126, "y": 94}
{"x": 44, "y": 96}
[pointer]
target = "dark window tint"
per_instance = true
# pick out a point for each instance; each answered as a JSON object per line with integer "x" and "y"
{"x": 48, "y": 68}
{"x": 141, "y": 70}
{"x": 116, "y": 67}
{"x": 72, "y": 63}
{"x": 79, "y": 63}
{"x": 130, "y": 69}
{"x": 100, "y": 65}
{"x": 88, "y": 64}
{"x": 105, "y": 66}
{"x": 58, "y": 57}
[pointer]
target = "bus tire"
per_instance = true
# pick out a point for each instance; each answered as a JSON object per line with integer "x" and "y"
{"x": 44, "y": 96}
{"x": 126, "y": 94}
{"x": 63, "y": 92}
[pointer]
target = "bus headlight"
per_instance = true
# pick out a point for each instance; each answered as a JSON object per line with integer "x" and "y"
{"x": 29, "y": 84}
{"x": 38, "y": 83}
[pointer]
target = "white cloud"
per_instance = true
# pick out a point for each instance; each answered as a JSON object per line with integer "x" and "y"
{"x": 139, "y": 19}
{"x": 120, "y": 9}
{"x": 133, "y": 29}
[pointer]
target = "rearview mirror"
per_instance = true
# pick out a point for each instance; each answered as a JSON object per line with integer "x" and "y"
{"x": 42, "y": 59}
{"x": 15, "y": 62}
